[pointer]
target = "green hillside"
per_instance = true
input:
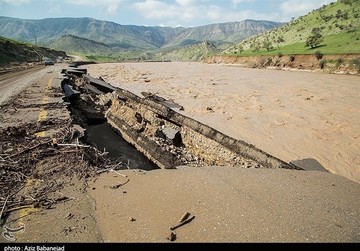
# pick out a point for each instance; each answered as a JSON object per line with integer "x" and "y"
{"x": 189, "y": 53}
{"x": 71, "y": 43}
{"x": 337, "y": 23}
{"x": 14, "y": 51}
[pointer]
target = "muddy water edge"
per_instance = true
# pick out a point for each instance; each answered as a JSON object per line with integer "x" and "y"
{"x": 103, "y": 137}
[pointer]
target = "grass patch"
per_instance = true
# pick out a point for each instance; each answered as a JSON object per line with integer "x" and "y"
{"x": 337, "y": 22}
{"x": 101, "y": 58}
{"x": 342, "y": 43}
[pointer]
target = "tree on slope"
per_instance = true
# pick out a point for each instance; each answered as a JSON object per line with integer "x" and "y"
{"x": 314, "y": 39}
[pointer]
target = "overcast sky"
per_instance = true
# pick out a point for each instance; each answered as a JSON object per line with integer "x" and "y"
{"x": 172, "y": 13}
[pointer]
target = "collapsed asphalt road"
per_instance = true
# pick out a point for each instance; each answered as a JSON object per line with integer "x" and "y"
{"x": 51, "y": 191}
{"x": 42, "y": 162}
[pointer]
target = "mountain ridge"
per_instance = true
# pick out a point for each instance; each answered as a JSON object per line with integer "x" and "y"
{"x": 127, "y": 37}
{"x": 80, "y": 45}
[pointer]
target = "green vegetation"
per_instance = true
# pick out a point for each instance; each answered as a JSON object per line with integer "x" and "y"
{"x": 99, "y": 58}
{"x": 5, "y": 59}
{"x": 115, "y": 57}
{"x": 356, "y": 63}
{"x": 194, "y": 52}
{"x": 80, "y": 45}
{"x": 190, "y": 53}
{"x": 331, "y": 29}
{"x": 314, "y": 39}
{"x": 341, "y": 43}
{"x": 319, "y": 55}
{"x": 12, "y": 51}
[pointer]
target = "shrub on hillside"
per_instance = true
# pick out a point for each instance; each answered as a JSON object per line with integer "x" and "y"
{"x": 319, "y": 55}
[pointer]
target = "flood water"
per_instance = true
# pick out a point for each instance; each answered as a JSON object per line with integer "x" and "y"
{"x": 102, "y": 136}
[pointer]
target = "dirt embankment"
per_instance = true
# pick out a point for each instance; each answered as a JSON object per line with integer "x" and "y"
{"x": 340, "y": 64}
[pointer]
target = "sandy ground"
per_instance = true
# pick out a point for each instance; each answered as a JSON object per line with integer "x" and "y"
{"x": 291, "y": 115}
{"x": 230, "y": 205}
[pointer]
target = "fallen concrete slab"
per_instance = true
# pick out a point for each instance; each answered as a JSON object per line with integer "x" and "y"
{"x": 141, "y": 119}
{"x": 168, "y": 138}
{"x": 99, "y": 84}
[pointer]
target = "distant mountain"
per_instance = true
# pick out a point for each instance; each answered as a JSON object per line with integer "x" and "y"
{"x": 232, "y": 32}
{"x": 73, "y": 43}
{"x": 13, "y": 51}
{"x": 127, "y": 37}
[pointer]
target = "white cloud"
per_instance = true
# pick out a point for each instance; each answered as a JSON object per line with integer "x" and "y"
{"x": 170, "y": 12}
{"x": 187, "y": 2}
{"x": 111, "y": 6}
{"x": 220, "y": 15}
{"x": 214, "y": 12}
{"x": 237, "y": 2}
{"x": 188, "y": 12}
{"x": 54, "y": 7}
{"x": 14, "y": 2}
{"x": 180, "y": 13}
{"x": 157, "y": 9}
{"x": 301, "y": 7}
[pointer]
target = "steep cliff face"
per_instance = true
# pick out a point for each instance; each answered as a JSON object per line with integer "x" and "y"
{"x": 344, "y": 64}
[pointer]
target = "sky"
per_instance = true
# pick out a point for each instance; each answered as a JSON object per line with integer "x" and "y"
{"x": 172, "y": 13}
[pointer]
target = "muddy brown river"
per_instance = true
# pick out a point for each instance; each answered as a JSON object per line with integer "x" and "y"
{"x": 293, "y": 115}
